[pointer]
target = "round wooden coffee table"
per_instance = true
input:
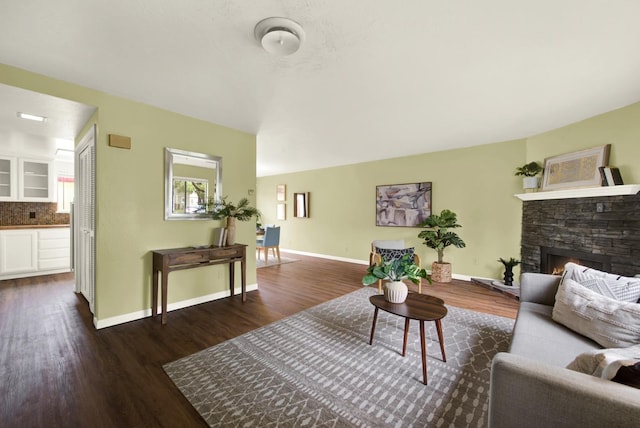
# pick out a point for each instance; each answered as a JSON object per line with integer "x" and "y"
{"x": 419, "y": 307}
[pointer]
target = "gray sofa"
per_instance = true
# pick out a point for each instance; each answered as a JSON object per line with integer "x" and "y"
{"x": 530, "y": 386}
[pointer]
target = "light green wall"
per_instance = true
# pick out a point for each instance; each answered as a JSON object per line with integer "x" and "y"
{"x": 130, "y": 194}
{"x": 620, "y": 128}
{"x": 477, "y": 183}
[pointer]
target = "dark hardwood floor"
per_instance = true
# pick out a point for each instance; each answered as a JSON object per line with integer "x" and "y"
{"x": 58, "y": 371}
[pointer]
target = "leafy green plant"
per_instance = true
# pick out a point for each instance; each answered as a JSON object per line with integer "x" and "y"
{"x": 511, "y": 263}
{"x": 530, "y": 169}
{"x": 437, "y": 234}
{"x": 241, "y": 211}
{"x": 396, "y": 270}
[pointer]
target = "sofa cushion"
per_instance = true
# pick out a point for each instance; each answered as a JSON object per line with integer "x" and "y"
{"x": 388, "y": 254}
{"x": 611, "y": 323}
{"x": 536, "y": 336}
{"x": 620, "y": 365}
{"x": 614, "y": 286}
{"x": 595, "y": 361}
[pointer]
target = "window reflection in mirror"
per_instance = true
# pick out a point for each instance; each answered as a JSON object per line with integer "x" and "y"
{"x": 191, "y": 180}
{"x": 189, "y": 195}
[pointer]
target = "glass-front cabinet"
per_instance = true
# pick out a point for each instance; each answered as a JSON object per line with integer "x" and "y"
{"x": 8, "y": 177}
{"x": 36, "y": 180}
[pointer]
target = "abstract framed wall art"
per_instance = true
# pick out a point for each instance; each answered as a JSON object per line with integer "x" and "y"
{"x": 403, "y": 205}
{"x": 576, "y": 169}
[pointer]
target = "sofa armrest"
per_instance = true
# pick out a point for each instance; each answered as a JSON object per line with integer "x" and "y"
{"x": 539, "y": 288}
{"x": 528, "y": 394}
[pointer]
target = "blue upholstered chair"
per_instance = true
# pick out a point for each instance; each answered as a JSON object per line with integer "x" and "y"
{"x": 270, "y": 240}
{"x": 388, "y": 250}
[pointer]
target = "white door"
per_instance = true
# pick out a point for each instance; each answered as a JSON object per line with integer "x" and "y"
{"x": 84, "y": 217}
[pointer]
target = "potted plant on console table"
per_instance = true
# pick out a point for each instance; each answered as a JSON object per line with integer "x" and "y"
{"x": 438, "y": 236}
{"x": 393, "y": 272}
{"x": 228, "y": 210}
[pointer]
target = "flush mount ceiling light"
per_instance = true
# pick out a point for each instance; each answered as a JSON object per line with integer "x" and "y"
{"x": 279, "y": 36}
{"x": 33, "y": 117}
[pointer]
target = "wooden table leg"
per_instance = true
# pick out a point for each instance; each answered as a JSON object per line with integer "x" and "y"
{"x": 373, "y": 326}
{"x": 243, "y": 267}
{"x": 154, "y": 298}
{"x": 165, "y": 286}
{"x": 424, "y": 353}
{"x": 232, "y": 278}
{"x": 406, "y": 336}
{"x": 441, "y": 339}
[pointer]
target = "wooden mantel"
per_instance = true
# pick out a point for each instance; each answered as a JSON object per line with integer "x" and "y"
{"x": 589, "y": 192}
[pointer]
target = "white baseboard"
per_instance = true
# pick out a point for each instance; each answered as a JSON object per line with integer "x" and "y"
{"x": 133, "y": 316}
{"x": 360, "y": 262}
{"x": 325, "y": 256}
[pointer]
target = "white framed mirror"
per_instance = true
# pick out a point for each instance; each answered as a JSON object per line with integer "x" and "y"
{"x": 190, "y": 180}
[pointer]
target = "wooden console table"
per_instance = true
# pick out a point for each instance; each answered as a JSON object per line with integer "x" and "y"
{"x": 165, "y": 261}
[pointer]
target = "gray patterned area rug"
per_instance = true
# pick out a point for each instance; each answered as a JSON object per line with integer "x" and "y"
{"x": 316, "y": 369}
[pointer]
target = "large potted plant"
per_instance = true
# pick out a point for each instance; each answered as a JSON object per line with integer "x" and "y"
{"x": 242, "y": 211}
{"x": 437, "y": 235}
{"x": 393, "y": 272}
{"x": 529, "y": 172}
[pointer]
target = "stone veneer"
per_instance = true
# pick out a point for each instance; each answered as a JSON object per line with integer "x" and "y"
{"x": 604, "y": 225}
{"x": 17, "y": 214}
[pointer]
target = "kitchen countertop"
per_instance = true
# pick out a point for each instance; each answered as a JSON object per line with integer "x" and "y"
{"x": 33, "y": 226}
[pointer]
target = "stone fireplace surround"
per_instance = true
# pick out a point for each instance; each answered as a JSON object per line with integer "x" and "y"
{"x": 604, "y": 227}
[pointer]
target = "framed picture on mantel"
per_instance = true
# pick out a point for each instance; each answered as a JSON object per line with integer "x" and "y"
{"x": 576, "y": 169}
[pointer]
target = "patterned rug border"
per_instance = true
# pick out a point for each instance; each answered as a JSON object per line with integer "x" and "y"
{"x": 311, "y": 397}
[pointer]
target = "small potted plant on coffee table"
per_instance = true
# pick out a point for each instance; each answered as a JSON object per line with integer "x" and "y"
{"x": 393, "y": 272}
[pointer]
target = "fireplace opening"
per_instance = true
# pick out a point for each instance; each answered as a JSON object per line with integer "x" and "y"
{"x": 552, "y": 260}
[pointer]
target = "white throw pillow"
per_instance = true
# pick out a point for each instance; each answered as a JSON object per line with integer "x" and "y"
{"x": 611, "y": 323}
{"x": 599, "y": 362}
{"x": 617, "y": 287}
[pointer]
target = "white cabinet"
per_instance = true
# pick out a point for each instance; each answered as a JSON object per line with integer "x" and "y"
{"x": 8, "y": 179}
{"x": 31, "y": 252}
{"x": 23, "y": 179}
{"x": 36, "y": 180}
{"x": 18, "y": 251}
{"x": 54, "y": 249}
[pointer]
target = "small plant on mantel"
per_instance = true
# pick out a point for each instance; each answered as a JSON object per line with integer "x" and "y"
{"x": 529, "y": 172}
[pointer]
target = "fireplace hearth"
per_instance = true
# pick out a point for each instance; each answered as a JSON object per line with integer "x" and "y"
{"x": 601, "y": 232}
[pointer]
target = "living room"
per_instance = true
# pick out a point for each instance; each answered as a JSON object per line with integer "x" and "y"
{"x": 477, "y": 182}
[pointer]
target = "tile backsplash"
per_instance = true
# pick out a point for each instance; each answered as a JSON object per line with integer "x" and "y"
{"x": 20, "y": 213}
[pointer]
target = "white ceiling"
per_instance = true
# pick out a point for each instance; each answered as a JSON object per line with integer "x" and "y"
{"x": 374, "y": 79}
{"x": 64, "y": 121}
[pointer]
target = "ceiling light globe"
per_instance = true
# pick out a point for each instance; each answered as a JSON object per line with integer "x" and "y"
{"x": 280, "y": 41}
{"x": 279, "y": 36}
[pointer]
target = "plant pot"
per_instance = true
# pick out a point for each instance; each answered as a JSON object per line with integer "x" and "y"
{"x": 441, "y": 272}
{"x": 395, "y": 291}
{"x": 508, "y": 275}
{"x": 231, "y": 230}
{"x": 530, "y": 182}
